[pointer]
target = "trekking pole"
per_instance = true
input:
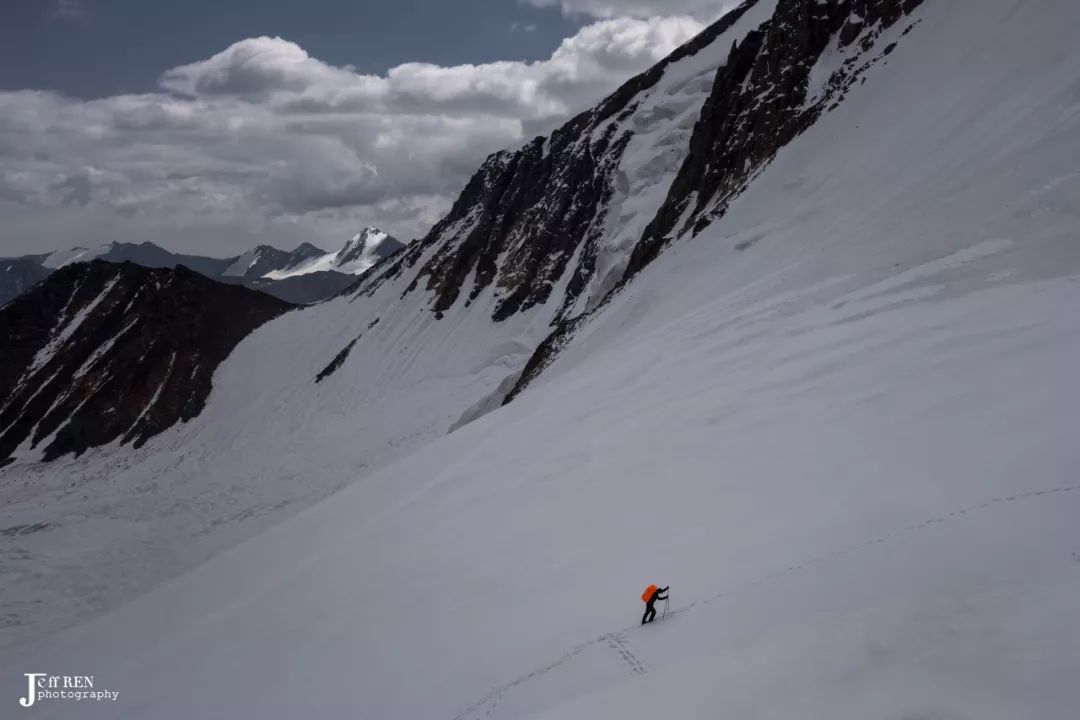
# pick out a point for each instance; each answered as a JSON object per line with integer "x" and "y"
{"x": 666, "y": 600}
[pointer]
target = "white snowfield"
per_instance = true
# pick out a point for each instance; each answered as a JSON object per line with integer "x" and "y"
{"x": 841, "y": 424}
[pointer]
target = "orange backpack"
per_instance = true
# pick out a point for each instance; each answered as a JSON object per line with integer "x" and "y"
{"x": 649, "y": 592}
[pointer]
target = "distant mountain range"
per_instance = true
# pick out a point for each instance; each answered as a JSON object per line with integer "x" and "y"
{"x": 305, "y": 275}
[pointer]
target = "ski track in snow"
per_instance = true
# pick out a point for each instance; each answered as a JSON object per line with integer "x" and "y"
{"x": 618, "y": 640}
{"x": 619, "y": 643}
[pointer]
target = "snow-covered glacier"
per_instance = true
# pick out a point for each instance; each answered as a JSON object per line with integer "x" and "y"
{"x": 839, "y": 420}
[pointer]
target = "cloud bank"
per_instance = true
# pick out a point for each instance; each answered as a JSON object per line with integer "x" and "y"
{"x": 263, "y": 141}
{"x": 702, "y": 9}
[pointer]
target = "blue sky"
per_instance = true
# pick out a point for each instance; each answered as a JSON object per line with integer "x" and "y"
{"x": 211, "y": 127}
{"x": 100, "y": 47}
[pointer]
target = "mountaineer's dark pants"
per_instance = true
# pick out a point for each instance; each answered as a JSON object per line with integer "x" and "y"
{"x": 650, "y": 613}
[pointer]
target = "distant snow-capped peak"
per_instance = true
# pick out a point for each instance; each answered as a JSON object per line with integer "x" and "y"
{"x": 361, "y": 252}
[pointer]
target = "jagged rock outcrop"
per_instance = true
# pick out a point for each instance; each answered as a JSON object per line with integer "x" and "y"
{"x": 338, "y": 361}
{"x": 546, "y": 218}
{"x": 525, "y": 214}
{"x": 101, "y": 352}
{"x": 762, "y": 98}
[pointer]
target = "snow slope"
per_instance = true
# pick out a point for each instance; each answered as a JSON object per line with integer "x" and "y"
{"x": 86, "y": 533}
{"x": 79, "y": 536}
{"x": 840, "y": 422}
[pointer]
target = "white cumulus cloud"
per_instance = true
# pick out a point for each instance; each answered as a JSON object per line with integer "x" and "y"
{"x": 263, "y": 141}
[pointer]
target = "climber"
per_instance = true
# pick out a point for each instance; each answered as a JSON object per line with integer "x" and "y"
{"x": 650, "y": 596}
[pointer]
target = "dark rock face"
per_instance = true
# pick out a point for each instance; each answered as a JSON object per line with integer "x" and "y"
{"x": 531, "y": 220}
{"x": 17, "y": 275}
{"x": 760, "y": 102}
{"x": 537, "y": 206}
{"x": 337, "y": 362}
{"x": 103, "y": 351}
{"x": 525, "y": 213}
{"x": 544, "y": 355}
